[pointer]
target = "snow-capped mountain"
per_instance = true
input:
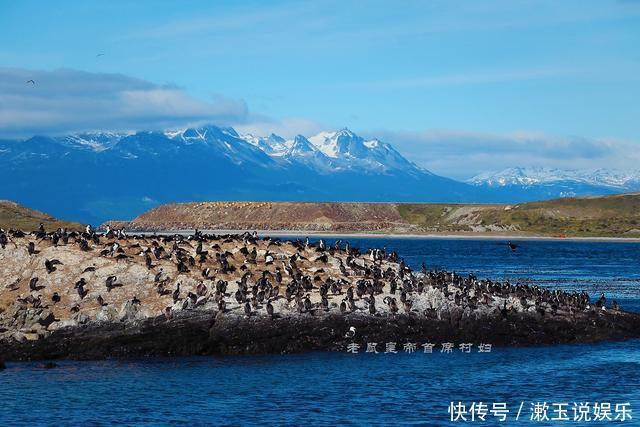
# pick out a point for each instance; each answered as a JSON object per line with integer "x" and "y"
{"x": 562, "y": 182}
{"x": 349, "y": 149}
{"x": 99, "y": 176}
{"x": 94, "y": 141}
{"x": 273, "y": 144}
{"x": 93, "y": 177}
{"x": 326, "y": 152}
{"x": 223, "y": 141}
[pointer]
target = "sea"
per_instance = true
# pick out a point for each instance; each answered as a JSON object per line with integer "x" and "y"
{"x": 587, "y": 384}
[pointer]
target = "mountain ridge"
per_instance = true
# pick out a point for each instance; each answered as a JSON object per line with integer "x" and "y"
{"x": 94, "y": 176}
{"x": 531, "y": 176}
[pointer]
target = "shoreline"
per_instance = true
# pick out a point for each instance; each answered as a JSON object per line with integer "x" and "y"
{"x": 208, "y": 333}
{"x": 369, "y": 235}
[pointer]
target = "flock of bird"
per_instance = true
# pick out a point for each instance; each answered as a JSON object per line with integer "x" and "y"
{"x": 248, "y": 275}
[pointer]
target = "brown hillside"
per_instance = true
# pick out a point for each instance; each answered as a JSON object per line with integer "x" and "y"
{"x": 272, "y": 216}
{"x": 13, "y": 215}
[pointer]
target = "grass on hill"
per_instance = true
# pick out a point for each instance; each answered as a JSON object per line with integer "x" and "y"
{"x": 12, "y": 215}
{"x": 609, "y": 216}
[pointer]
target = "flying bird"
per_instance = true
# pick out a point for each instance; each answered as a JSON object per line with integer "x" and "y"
{"x": 100, "y": 54}
{"x": 31, "y": 81}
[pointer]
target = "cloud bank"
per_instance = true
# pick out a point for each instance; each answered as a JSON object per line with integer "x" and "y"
{"x": 65, "y": 101}
{"x": 462, "y": 155}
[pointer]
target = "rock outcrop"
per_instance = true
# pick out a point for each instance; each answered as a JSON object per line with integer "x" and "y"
{"x": 85, "y": 295}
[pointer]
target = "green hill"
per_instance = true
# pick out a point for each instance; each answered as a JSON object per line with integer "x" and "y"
{"x": 609, "y": 216}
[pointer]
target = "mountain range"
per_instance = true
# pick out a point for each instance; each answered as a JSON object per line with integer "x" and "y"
{"x": 542, "y": 183}
{"x": 92, "y": 177}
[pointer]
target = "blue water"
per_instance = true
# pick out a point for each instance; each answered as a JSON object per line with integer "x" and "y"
{"x": 363, "y": 389}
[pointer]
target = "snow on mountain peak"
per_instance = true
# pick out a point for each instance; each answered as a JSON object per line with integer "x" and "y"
{"x": 532, "y": 176}
{"x": 325, "y": 152}
{"x": 300, "y": 146}
{"x": 325, "y": 142}
{"x": 340, "y": 144}
{"x": 97, "y": 141}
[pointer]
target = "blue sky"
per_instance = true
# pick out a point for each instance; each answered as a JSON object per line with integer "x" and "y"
{"x": 487, "y": 83}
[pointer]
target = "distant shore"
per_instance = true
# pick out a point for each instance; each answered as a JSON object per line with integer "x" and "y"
{"x": 612, "y": 218}
{"x": 369, "y": 235}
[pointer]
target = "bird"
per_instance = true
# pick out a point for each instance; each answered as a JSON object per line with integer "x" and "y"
{"x": 391, "y": 302}
{"x": 512, "y": 246}
{"x": 100, "y": 54}
{"x": 80, "y": 287}
{"x": 110, "y": 283}
{"x": 176, "y": 294}
{"x": 32, "y": 248}
{"x": 49, "y": 266}
{"x": 33, "y": 284}
{"x": 31, "y": 81}
{"x": 157, "y": 277}
{"x": 13, "y": 286}
{"x": 601, "y": 301}
{"x": 270, "y": 309}
{"x": 307, "y": 303}
{"x": 504, "y": 310}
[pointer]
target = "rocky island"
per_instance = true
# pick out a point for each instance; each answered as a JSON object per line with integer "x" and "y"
{"x": 70, "y": 294}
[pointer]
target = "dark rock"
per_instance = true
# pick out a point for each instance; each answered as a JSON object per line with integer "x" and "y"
{"x": 46, "y": 318}
{"x": 202, "y": 332}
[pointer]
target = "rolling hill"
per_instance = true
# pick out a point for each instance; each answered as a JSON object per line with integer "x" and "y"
{"x": 608, "y": 216}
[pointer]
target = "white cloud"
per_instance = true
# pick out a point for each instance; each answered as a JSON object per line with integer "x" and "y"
{"x": 287, "y": 127}
{"x": 66, "y": 100}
